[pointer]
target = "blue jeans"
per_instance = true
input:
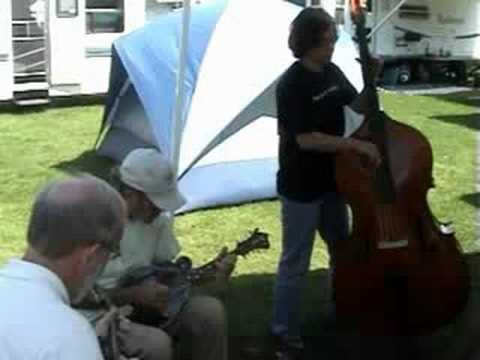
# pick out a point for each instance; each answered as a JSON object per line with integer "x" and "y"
{"x": 328, "y": 216}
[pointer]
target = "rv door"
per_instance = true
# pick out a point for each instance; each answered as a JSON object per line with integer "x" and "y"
{"x": 6, "y": 62}
{"x": 66, "y": 34}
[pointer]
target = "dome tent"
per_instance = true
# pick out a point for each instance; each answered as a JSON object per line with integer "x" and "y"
{"x": 221, "y": 135}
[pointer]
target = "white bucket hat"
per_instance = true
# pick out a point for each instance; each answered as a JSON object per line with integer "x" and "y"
{"x": 149, "y": 171}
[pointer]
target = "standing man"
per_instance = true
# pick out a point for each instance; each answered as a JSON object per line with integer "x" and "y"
{"x": 75, "y": 225}
{"x": 311, "y": 95}
{"x": 146, "y": 181}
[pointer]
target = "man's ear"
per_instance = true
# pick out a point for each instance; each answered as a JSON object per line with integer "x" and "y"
{"x": 81, "y": 261}
{"x": 88, "y": 255}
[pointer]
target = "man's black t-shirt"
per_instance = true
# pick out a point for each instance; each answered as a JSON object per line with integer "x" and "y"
{"x": 306, "y": 102}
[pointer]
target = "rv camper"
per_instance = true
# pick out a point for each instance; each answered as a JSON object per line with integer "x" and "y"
{"x": 62, "y": 47}
{"x": 423, "y": 40}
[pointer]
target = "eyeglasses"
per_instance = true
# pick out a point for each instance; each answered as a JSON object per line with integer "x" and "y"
{"x": 330, "y": 39}
{"x": 113, "y": 252}
{"x": 113, "y": 255}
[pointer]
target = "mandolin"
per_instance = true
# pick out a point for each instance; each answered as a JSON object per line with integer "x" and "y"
{"x": 180, "y": 275}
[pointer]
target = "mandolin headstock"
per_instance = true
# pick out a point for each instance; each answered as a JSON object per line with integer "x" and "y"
{"x": 257, "y": 240}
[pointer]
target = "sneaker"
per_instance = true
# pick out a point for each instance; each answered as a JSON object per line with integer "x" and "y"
{"x": 288, "y": 355}
{"x": 329, "y": 319}
{"x": 288, "y": 347}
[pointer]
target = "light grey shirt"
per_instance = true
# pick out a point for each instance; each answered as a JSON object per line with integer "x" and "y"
{"x": 142, "y": 244}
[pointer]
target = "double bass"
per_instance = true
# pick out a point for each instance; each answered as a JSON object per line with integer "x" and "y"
{"x": 400, "y": 271}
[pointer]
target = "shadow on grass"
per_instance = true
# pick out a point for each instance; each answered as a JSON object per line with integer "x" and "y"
{"x": 88, "y": 162}
{"x": 249, "y": 307}
{"x": 469, "y": 98}
{"x": 471, "y": 121}
{"x": 60, "y": 102}
{"x": 472, "y": 199}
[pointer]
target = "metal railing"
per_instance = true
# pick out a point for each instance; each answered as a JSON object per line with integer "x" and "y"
{"x": 28, "y": 48}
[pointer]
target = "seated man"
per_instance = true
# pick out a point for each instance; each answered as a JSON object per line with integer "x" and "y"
{"x": 75, "y": 224}
{"x": 146, "y": 182}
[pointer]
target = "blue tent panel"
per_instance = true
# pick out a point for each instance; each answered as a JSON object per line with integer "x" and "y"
{"x": 229, "y": 183}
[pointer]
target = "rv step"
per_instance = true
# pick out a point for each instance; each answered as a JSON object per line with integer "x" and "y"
{"x": 32, "y": 102}
{"x": 38, "y": 77}
{"x": 31, "y": 86}
{"x": 31, "y": 97}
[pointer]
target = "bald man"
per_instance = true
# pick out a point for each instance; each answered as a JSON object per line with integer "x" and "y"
{"x": 75, "y": 226}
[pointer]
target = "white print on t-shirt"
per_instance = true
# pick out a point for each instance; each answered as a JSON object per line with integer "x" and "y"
{"x": 325, "y": 93}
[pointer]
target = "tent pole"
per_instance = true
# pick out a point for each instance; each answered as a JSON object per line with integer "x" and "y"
{"x": 385, "y": 19}
{"x": 177, "y": 123}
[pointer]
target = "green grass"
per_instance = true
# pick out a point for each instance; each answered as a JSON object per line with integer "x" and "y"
{"x": 43, "y": 144}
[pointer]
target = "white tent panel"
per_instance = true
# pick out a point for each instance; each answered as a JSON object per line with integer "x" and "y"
{"x": 228, "y": 144}
{"x": 238, "y": 65}
{"x": 258, "y": 140}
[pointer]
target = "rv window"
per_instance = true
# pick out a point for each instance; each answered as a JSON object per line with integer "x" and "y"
{"x": 104, "y": 16}
{"x": 104, "y": 4}
{"x": 417, "y": 12}
{"x": 154, "y": 8}
{"x": 67, "y": 8}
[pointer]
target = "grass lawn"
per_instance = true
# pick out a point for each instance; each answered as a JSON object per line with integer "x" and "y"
{"x": 41, "y": 144}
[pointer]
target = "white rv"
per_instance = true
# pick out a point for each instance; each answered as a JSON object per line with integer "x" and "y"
{"x": 423, "y": 39}
{"x": 62, "y": 47}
